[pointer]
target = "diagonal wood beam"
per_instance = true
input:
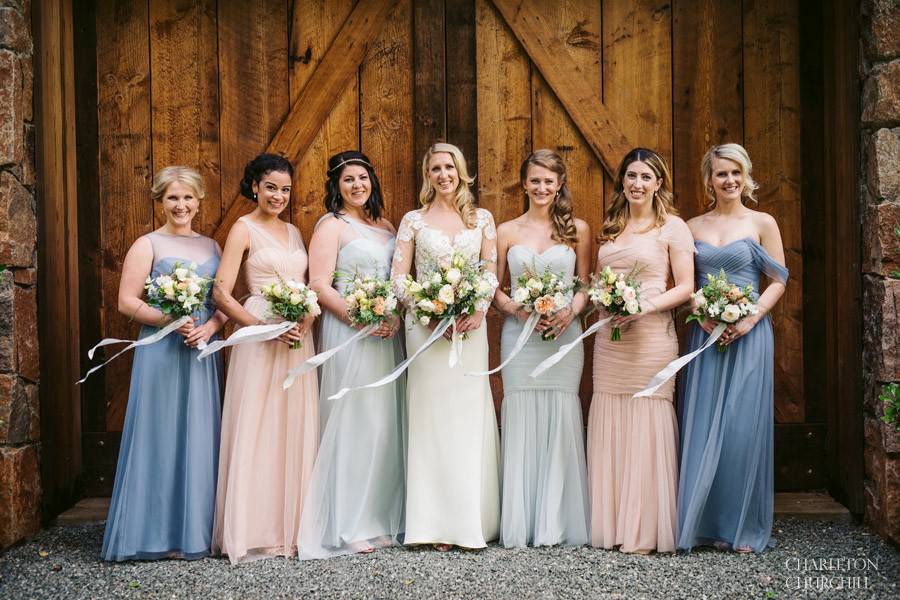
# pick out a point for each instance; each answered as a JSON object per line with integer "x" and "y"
{"x": 549, "y": 53}
{"x": 337, "y": 69}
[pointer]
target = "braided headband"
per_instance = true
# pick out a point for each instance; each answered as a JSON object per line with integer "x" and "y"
{"x": 349, "y": 161}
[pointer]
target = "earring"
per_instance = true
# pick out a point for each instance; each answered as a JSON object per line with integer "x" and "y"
{"x": 255, "y": 197}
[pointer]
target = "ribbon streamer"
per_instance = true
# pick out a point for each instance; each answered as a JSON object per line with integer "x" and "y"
{"x": 249, "y": 334}
{"x": 456, "y": 340}
{"x": 527, "y": 330}
{"x": 437, "y": 333}
{"x": 673, "y": 367}
{"x": 322, "y": 357}
{"x": 563, "y": 350}
{"x": 150, "y": 339}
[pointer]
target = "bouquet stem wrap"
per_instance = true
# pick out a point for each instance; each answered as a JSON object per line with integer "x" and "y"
{"x": 322, "y": 357}
{"x": 563, "y": 350}
{"x": 527, "y": 330}
{"x": 150, "y": 339}
{"x": 673, "y": 367}
{"x": 248, "y": 335}
{"x": 435, "y": 335}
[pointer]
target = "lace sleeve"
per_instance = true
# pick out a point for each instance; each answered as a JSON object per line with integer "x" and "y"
{"x": 488, "y": 256}
{"x": 401, "y": 264}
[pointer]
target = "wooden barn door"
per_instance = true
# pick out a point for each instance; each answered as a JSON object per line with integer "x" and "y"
{"x": 211, "y": 84}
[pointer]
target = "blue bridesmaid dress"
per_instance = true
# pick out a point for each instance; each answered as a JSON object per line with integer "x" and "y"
{"x": 725, "y": 492}
{"x": 164, "y": 494}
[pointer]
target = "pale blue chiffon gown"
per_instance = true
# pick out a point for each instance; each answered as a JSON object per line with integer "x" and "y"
{"x": 356, "y": 496}
{"x": 544, "y": 486}
{"x": 163, "y": 498}
{"x": 726, "y": 490}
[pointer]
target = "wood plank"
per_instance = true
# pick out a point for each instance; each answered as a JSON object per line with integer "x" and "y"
{"x": 504, "y": 105}
{"x": 708, "y": 97}
{"x": 578, "y": 23}
{"x": 602, "y": 131}
{"x": 386, "y": 111}
{"x": 800, "y": 456}
{"x": 430, "y": 83}
{"x": 58, "y": 276}
{"x": 461, "y": 63}
{"x": 812, "y": 506}
{"x": 315, "y": 27}
{"x": 184, "y": 87}
{"x": 772, "y": 136}
{"x": 123, "y": 108}
{"x": 303, "y": 121}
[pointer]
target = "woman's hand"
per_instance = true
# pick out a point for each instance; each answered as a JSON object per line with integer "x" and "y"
{"x": 201, "y": 333}
{"x": 556, "y": 323}
{"x": 186, "y": 329}
{"x": 738, "y": 330}
{"x": 292, "y": 335}
{"x": 466, "y": 323}
{"x": 707, "y": 325}
{"x": 387, "y": 329}
{"x": 622, "y": 321}
{"x": 304, "y": 324}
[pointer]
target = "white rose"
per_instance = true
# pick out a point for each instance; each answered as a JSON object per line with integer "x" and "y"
{"x": 534, "y": 285}
{"x": 445, "y": 294}
{"x": 698, "y": 299}
{"x": 294, "y": 285}
{"x": 314, "y": 308}
{"x": 193, "y": 288}
{"x": 559, "y": 299}
{"x": 628, "y": 294}
{"x": 520, "y": 295}
{"x": 390, "y": 304}
{"x": 435, "y": 277}
{"x": 621, "y": 285}
{"x": 454, "y": 275}
{"x": 276, "y": 289}
{"x": 414, "y": 287}
{"x": 731, "y": 313}
{"x": 296, "y": 299}
{"x": 424, "y": 321}
{"x": 713, "y": 310}
{"x": 632, "y": 307}
{"x": 426, "y": 305}
{"x": 483, "y": 287}
{"x": 465, "y": 287}
{"x": 181, "y": 273}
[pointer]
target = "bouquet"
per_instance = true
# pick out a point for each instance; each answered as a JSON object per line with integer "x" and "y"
{"x": 456, "y": 289}
{"x": 369, "y": 300}
{"x": 178, "y": 293}
{"x": 544, "y": 293}
{"x": 721, "y": 301}
{"x": 291, "y": 300}
{"x": 619, "y": 294}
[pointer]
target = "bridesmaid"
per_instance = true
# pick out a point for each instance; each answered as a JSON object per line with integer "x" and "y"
{"x": 269, "y": 434}
{"x": 355, "y": 498}
{"x": 164, "y": 493}
{"x": 452, "y": 494}
{"x": 545, "y": 494}
{"x": 725, "y": 496}
{"x": 631, "y": 441}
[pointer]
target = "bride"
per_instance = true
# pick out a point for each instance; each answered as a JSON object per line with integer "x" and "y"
{"x": 453, "y": 495}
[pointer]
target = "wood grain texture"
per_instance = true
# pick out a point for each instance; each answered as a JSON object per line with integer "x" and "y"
{"x": 386, "y": 106}
{"x": 462, "y": 97}
{"x": 184, "y": 87}
{"x": 772, "y": 134}
{"x": 123, "y": 108}
{"x": 430, "y": 78}
{"x": 335, "y": 71}
{"x": 597, "y": 123}
{"x": 315, "y": 25}
{"x": 254, "y": 91}
{"x": 708, "y": 95}
{"x": 504, "y": 140}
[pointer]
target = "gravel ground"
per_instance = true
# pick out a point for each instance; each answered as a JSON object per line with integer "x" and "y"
{"x": 62, "y": 562}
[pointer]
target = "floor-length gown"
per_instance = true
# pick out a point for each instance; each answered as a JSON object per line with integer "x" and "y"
{"x": 269, "y": 434}
{"x": 632, "y": 455}
{"x": 356, "y": 495}
{"x": 726, "y": 492}
{"x": 164, "y": 494}
{"x": 544, "y": 485}
{"x": 452, "y": 490}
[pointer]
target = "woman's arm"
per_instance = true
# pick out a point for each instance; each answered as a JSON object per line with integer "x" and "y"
{"x": 401, "y": 263}
{"x": 323, "y": 252}
{"x": 135, "y": 269}
{"x": 488, "y": 256}
{"x": 502, "y": 301}
{"x": 236, "y": 245}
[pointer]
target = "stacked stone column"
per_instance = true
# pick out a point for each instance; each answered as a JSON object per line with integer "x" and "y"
{"x": 880, "y": 191}
{"x": 20, "y": 485}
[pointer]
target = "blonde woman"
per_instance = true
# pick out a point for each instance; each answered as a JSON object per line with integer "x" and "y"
{"x": 545, "y": 494}
{"x": 725, "y": 496}
{"x": 453, "y": 495}
{"x": 632, "y": 457}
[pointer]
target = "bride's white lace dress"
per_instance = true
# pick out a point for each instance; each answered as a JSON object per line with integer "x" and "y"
{"x": 453, "y": 486}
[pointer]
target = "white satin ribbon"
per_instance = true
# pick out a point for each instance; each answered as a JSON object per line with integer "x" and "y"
{"x": 527, "y": 330}
{"x": 247, "y": 335}
{"x": 437, "y": 333}
{"x": 563, "y": 350}
{"x": 456, "y": 340}
{"x": 320, "y": 358}
{"x": 673, "y": 367}
{"x": 150, "y": 339}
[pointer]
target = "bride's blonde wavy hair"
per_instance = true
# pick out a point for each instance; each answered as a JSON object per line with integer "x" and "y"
{"x": 617, "y": 213}
{"x": 465, "y": 201}
{"x": 561, "y": 216}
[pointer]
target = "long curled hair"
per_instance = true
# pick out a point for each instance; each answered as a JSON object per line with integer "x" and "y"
{"x": 561, "y": 216}
{"x": 617, "y": 213}
{"x": 259, "y": 167}
{"x": 465, "y": 201}
{"x": 737, "y": 154}
{"x": 334, "y": 202}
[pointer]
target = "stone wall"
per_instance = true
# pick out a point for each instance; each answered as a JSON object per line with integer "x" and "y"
{"x": 880, "y": 191}
{"x": 20, "y": 484}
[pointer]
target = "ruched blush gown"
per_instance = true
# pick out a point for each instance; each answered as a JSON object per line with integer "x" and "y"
{"x": 726, "y": 490}
{"x": 632, "y": 454}
{"x": 544, "y": 486}
{"x": 269, "y": 434}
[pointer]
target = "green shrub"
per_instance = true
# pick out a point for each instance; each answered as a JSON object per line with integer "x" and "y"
{"x": 890, "y": 396}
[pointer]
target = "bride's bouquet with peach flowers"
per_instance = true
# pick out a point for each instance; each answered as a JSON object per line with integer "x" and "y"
{"x": 619, "y": 294}
{"x": 292, "y": 301}
{"x": 722, "y": 301}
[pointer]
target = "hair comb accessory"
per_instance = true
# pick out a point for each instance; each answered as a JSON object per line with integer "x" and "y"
{"x": 350, "y": 161}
